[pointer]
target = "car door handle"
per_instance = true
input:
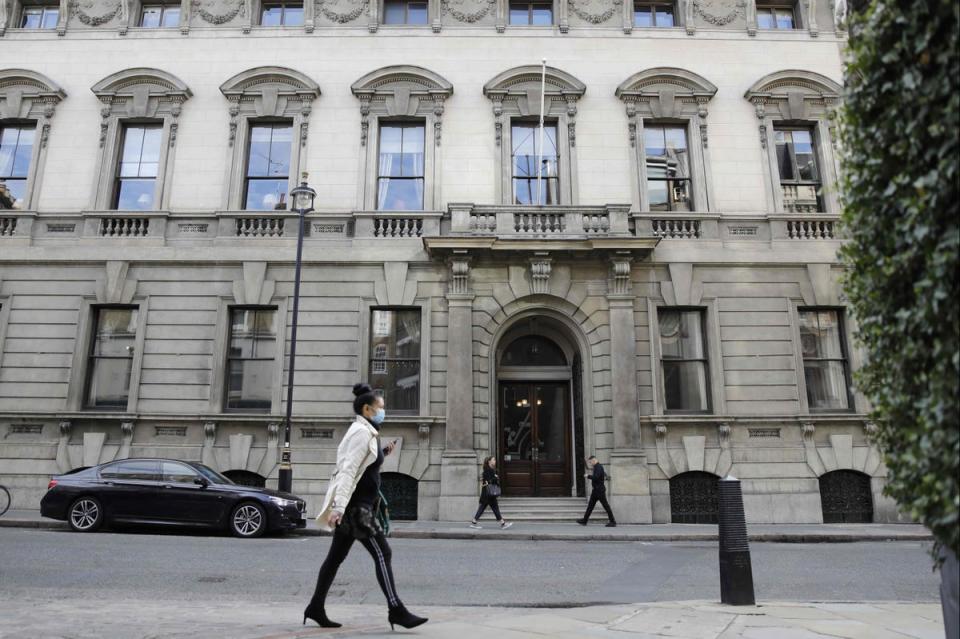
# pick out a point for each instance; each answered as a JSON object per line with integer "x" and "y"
{"x": 109, "y": 483}
{"x": 167, "y": 486}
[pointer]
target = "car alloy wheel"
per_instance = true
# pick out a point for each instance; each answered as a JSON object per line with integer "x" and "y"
{"x": 86, "y": 514}
{"x": 249, "y": 520}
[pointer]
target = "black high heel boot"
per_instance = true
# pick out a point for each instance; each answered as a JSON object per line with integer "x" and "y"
{"x": 404, "y": 618}
{"x": 320, "y": 616}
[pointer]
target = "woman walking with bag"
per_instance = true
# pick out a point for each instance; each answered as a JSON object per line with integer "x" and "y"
{"x": 350, "y": 510}
{"x": 489, "y": 493}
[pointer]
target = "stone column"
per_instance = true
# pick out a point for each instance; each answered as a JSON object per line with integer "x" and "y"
{"x": 629, "y": 478}
{"x": 458, "y": 469}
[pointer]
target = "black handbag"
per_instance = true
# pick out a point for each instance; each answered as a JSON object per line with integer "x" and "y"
{"x": 493, "y": 490}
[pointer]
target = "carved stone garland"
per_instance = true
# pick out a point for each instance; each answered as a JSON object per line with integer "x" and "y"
{"x": 94, "y": 21}
{"x": 486, "y": 7}
{"x": 324, "y": 7}
{"x": 704, "y": 7}
{"x": 579, "y": 8}
{"x": 223, "y": 18}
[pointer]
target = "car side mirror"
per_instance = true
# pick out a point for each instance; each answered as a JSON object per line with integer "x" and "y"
{"x": 201, "y": 481}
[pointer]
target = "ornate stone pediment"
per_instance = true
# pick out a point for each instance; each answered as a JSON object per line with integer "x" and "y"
{"x": 402, "y": 90}
{"x": 140, "y": 93}
{"x": 517, "y": 93}
{"x": 666, "y": 93}
{"x": 794, "y": 95}
{"x": 270, "y": 91}
{"x": 595, "y": 11}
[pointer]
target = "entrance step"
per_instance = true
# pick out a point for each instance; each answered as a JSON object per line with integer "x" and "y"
{"x": 545, "y": 509}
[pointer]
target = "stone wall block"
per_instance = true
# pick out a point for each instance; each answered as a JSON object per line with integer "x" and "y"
{"x": 693, "y": 447}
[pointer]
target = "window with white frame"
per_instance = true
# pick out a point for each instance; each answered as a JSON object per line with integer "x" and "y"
{"x": 39, "y": 15}
{"x": 800, "y": 182}
{"x": 16, "y": 154}
{"x": 395, "y": 357}
{"x": 286, "y": 13}
{"x": 137, "y": 167}
{"x": 825, "y": 363}
{"x": 156, "y": 15}
{"x": 268, "y": 166}
{"x": 776, "y": 15}
{"x": 667, "y": 157}
{"x": 654, "y": 14}
{"x": 251, "y": 358}
{"x": 531, "y": 13}
{"x": 400, "y": 172}
{"x": 110, "y": 360}
{"x": 409, "y": 12}
{"x": 683, "y": 360}
{"x": 525, "y": 138}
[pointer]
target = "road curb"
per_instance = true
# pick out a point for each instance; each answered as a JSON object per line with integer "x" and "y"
{"x": 519, "y": 535}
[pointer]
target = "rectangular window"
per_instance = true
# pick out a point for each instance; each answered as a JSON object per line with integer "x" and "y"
{"x": 775, "y": 15}
{"x": 111, "y": 357}
{"x": 824, "y": 359}
{"x": 16, "y": 151}
{"x": 395, "y": 357}
{"x": 799, "y": 176}
{"x": 40, "y": 17}
{"x": 525, "y": 138}
{"x": 250, "y": 359}
{"x": 404, "y": 12}
{"x": 531, "y": 13}
{"x": 683, "y": 354}
{"x": 653, "y": 14}
{"x": 268, "y": 167}
{"x": 400, "y": 170}
{"x": 281, "y": 14}
{"x": 137, "y": 167}
{"x": 668, "y": 167}
{"x": 160, "y": 16}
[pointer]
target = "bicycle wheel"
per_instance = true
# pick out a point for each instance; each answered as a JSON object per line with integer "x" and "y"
{"x": 4, "y": 500}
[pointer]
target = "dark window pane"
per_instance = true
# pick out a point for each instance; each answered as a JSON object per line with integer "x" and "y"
{"x": 533, "y": 350}
{"x": 681, "y": 334}
{"x": 251, "y": 357}
{"x": 685, "y": 385}
{"x": 826, "y": 384}
{"x": 784, "y": 159}
{"x": 657, "y": 193}
{"x": 110, "y": 382}
{"x": 132, "y": 470}
{"x": 16, "y": 151}
{"x": 178, "y": 473}
{"x": 395, "y": 357}
{"x": 398, "y": 382}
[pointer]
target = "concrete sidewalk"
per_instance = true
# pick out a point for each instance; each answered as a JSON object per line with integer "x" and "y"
{"x": 780, "y": 533}
{"x": 126, "y": 619}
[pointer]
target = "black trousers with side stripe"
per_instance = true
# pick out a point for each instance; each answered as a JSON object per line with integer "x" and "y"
{"x": 598, "y": 494}
{"x": 339, "y": 549}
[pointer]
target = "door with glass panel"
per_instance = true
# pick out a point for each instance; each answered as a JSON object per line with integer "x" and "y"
{"x": 535, "y": 439}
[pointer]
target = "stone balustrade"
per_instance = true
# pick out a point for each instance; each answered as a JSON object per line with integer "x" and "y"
{"x": 159, "y": 228}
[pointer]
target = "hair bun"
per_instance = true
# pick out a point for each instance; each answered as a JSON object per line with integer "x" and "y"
{"x": 361, "y": 389}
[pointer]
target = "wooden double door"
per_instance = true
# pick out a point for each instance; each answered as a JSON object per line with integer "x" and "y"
{"x": 535, "y": 439}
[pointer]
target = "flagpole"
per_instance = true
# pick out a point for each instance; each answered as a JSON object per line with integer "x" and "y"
{"x": 543, "y": 90}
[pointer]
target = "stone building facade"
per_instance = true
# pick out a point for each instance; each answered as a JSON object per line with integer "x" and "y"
{"x": 665, "y": 297}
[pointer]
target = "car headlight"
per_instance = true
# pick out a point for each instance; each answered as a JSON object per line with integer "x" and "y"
{"x": 280, "y": 501}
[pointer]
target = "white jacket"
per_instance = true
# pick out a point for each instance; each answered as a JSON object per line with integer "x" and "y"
{"x": 354, "y": 454}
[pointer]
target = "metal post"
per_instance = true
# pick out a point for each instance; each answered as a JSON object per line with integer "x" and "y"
{"x": 543, "y": 93}
{"x": 736, "y": 573}
{"x": 285, "y": 479}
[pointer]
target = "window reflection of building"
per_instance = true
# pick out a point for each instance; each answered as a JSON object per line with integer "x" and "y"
{"x": 395, "y": 357}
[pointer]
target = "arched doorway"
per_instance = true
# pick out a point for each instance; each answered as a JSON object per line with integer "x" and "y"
{"x": 694, "y": 498}
{"x": 846, "y": 498}
{"x": 539, "y": 437}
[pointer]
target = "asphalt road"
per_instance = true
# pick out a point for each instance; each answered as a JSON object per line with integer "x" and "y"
{"x": 47, "y": 564}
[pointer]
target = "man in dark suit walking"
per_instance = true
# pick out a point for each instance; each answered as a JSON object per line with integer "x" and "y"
{"x": 599, "y": 492}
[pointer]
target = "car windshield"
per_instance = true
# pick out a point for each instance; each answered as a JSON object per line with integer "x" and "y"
{"x": 211, "y": 474}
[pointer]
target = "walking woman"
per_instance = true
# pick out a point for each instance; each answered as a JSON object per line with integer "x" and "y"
{"x": 350, "y": 510}
{"x": 488, "y": 494}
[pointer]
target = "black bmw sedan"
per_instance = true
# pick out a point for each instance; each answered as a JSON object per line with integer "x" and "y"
{"x": 167, "y": 492}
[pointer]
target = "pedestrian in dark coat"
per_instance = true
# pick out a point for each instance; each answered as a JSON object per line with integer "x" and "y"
{"x": 597, "y": 477}
{"x": 489, "y": 491}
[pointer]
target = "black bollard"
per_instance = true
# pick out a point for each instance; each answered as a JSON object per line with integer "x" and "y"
{"x": 736, "y": 573}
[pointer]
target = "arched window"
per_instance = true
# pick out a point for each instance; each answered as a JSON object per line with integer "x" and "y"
{"x": 693, "y": 498}
{"x": 846, "y": 498}
{"x": 246, "y": 478}
{"x": 400, "y": 492}
{"x": 533, "y": 350}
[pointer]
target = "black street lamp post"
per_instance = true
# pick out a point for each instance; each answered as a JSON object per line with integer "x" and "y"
{"x": 301, "y": 199}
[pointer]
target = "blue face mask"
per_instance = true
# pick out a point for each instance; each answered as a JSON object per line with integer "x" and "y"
{"x": 378, "y": 417}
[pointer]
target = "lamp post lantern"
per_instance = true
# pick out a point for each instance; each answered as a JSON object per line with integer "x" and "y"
{"x": 301, "y": 200}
